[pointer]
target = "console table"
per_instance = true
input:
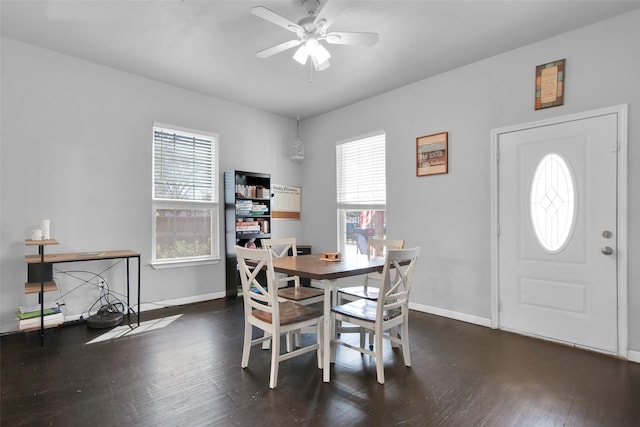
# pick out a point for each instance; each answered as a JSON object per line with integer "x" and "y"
{"x": 43, "y": 259}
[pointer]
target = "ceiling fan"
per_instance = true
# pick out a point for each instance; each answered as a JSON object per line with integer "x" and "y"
{"x": 311, "y": 31}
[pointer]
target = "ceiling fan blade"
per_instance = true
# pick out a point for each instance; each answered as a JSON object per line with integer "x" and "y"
{"x": 278, "y": 48}
{"x": 269, "y": 15}
{"x": 353, "y": 39}
{"x": 329, "y": 12}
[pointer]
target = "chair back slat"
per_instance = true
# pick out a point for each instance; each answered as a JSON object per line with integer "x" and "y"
{"x": 258, "y": 295}
{"x": 380, "y": 247}
{"x": 280, "y": 247}
{"x": 254, "y": 283}
{"x": 397, "y": 278}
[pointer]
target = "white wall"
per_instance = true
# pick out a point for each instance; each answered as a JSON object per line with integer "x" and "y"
{"x": 449, "y": 215}
{"x": 76, "y": 148}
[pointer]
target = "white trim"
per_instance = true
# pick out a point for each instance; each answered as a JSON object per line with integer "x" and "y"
{"x": 622, "y": 113}
{"x": 182, "y": 301}
{"x": 154, "y": 306}
{"x": 162, "y": 265}
{"x": 495, "y": 230}
{"x": 623, "y": 231}
{"x": 633, "y": 356}
{"x": 361, "y": 207}
{"x": 192, "y": 132}
{"x": 456, "y": 315}
{"x": 566, "y": 343}
{"x": 365, "y": 136}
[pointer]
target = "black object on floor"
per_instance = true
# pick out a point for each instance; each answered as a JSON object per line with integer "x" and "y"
{"x": 105, "y": 318}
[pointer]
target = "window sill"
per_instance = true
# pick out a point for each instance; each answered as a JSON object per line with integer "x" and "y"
{"x": 162, "y": 265}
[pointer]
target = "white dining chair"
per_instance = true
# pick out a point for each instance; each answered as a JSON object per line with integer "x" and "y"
{"x": 301, "y": 294}
{"x": 264, "y": 310}
{"x": 375, "y": 248}
{"x": 369, "y": 290}
{"x": 304, "y": 295}
{"x": 389, "y": 311}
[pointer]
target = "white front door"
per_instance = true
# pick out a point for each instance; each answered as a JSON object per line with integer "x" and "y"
{"x": 557, "y": 244}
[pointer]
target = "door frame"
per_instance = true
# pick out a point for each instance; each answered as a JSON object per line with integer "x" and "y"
{"x": 622, "y": 212}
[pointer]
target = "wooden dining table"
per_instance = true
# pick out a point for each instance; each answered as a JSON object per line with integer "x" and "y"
{"x": 313, "y": 267}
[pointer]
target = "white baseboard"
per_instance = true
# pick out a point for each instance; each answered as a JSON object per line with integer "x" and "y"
{"x": 181, "y": 301}
{"x": 633, "y": 356}
{"x": 154, "y": 305}
{"x": 477, "y": 320}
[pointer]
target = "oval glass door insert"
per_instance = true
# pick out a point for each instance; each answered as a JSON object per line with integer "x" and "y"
{"x": 552, "y": 202}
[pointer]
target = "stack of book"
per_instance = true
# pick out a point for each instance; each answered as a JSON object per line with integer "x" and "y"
{"x": 259, "y": 209}
{"x": 29, "y": 317}
{"x": 243, "y": 207}
{"x": 252, "y": 191}
{"x": 247, "y": 227}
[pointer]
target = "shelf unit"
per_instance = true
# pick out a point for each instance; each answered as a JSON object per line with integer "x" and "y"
{"x": 40, "y": 280}
{"x": 247, "y": 198}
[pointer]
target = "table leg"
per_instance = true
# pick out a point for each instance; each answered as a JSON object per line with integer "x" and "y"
{"x": 326, "y": 350}
{"x": 139, "y": 301}
{"x": 128, "y": 299}
{"x": 334, "y": 302}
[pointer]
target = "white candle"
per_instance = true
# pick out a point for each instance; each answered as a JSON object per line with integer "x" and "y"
{"x": 45, "y": 225}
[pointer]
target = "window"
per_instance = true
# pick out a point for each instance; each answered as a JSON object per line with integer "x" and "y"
{"x": 185, "y": 195}
{"x": 361, "y": 191}
{"x": 552, "y": 202}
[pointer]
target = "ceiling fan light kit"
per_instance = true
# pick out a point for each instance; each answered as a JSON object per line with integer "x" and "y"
{"x": 311, "y": 31}
{"x": 318, "y": 53}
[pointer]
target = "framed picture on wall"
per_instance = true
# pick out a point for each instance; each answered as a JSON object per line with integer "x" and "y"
{"x": 550, "y": 79}
{"x": 432, "y": 154}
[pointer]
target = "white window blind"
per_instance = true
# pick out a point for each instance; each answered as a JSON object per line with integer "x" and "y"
{"x": 184, "y": 166}
{"x": 361, "y": 172}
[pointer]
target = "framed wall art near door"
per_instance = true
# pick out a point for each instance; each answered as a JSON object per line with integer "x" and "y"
{"x": 432, "y": 154}
{"x": 550, "y": 80}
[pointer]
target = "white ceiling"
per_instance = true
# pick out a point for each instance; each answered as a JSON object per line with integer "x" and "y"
{"x": 209, "y": 46}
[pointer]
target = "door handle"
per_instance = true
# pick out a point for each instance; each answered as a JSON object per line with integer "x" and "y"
{"x": 606, "y": 250}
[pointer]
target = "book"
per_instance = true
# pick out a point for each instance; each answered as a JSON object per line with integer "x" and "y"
{"x": 36, "y": 307}
{"x": 34, "y": 322}
{"x": 259, "y": 207}
{"x": 36, "y": 313}
{"x": 252, "y": 191}
{"x": 248, "y": 226}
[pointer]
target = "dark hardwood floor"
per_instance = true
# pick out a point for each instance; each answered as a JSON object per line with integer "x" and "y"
{"x": 188, "y": 374}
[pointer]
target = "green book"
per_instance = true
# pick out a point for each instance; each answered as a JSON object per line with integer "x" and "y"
{"x": 36, "y": 313}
